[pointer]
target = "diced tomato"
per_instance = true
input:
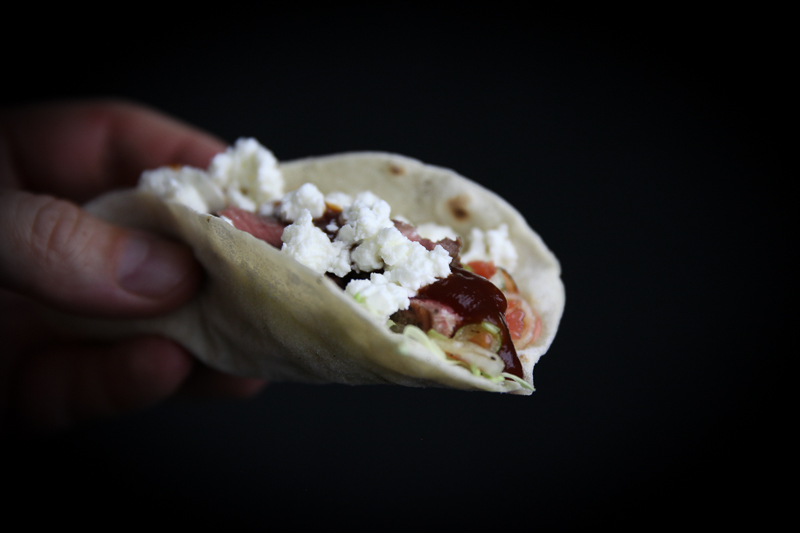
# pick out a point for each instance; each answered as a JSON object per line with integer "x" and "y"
{"x": 515, "y": 319}
{"x": 524, "y": 324}
{"x": 485, "y": 269}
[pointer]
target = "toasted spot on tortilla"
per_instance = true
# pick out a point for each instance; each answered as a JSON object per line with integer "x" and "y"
{"x": 458, "y": 207}
{"x": 397, "y": 170}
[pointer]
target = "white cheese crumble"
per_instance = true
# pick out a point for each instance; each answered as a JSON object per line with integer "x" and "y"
{"x": 435, "y": 232}
{"x": 379, "y": 295}
{"x": 248, "y": 173}
{"x": 186, "y": 185}
{"x": 246, "y": 176}
{"x": 406, "y": 263}
{"x": 309, "y": 245}
{"x": 364, "y": 218}
{"x": 338, "y": 199}
{"x": 306, "y": 198}
{"x": 375, "y": 244}
{"x": 492, "y": 245}
{"x": 414, "y": 267}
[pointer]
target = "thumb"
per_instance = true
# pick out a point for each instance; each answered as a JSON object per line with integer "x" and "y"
{"x": 59, "y": 254}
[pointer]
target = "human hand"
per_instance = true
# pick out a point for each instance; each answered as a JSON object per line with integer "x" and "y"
{"x": 53, "y": 253}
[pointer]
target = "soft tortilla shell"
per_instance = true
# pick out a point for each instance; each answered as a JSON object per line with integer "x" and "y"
{"x": 261, "y": 314}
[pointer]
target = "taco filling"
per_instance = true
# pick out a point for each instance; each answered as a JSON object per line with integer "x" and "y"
{"x": 417, "y": 280}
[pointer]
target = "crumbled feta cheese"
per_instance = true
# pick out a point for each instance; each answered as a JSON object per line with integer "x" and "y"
{"x": 378, "y": 295}
{"x": 366, "y": 256}
{"x": 435, "y": 232}
{"x": 339, "y": 199}
{"x": 306, "y": 198}
{"x": 492, "y": 245}
{"x": 248, "y": 173}
{"x": 239, "y": 199}
{"x": 406, "y": 263}
{"x": 417, "y": 267}
{"x": 186, "y": 185}
{"x": 376, "y": 243}
{"x": 267, "y": 209}
{"x": 388, "y": 245}
{"x": 309, "y": 245}
{"x": 364, "y": 218}
{"x": 367, "y": 198}
{"x": 395, "y": 247}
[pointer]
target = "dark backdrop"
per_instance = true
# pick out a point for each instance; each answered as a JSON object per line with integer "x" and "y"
{"x": 641, "y": 147}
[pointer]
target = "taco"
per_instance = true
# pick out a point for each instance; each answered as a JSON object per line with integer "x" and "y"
{"x": 448, "y": 286}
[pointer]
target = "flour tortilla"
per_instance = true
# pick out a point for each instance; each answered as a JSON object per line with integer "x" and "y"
{"x": 262, "y": 314}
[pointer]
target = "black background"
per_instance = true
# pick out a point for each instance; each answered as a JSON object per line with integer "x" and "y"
{"x": 643, "y": 147}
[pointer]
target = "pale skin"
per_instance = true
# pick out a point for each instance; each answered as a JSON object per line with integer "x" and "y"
{"x": 53, "y": 158}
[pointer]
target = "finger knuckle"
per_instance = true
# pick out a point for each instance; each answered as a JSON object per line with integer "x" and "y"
{"x": 59, "y": 233}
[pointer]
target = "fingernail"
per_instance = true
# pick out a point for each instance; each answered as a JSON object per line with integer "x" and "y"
{"x": 150, "y": 267}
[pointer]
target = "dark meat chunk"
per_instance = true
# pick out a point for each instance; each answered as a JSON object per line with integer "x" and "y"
{"x": 426, "y": 315}
{"x": 267, "y": 229}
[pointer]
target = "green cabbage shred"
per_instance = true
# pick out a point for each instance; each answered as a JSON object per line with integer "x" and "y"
{"x": 428, "y": 340}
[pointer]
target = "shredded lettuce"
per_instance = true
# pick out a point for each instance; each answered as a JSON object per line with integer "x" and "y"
{"x": 414, "y": 333}
{"x": 522, "y": 382}
{"x": 433, "y": 334}
{"x": 429, "y": 340}
{"x": 491, "y": 328}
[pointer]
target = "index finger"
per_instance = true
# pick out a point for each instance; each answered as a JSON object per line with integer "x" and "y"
{"x": 77, "y": 150}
